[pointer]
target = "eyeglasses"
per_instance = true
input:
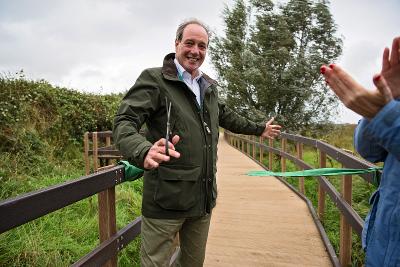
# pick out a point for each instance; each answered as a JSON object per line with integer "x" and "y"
{"x": 168, "y": 106}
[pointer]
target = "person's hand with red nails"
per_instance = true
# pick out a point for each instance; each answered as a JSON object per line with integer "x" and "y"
{"x": 391, "y": 67}
{"x": 365, "y": 102}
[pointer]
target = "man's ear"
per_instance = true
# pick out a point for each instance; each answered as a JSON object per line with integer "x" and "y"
{"x": 176, "y": 43}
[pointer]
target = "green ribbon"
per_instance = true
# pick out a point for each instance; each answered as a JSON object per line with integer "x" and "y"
{"x": 131, "y": 172}
{"x": 321, "y": 172}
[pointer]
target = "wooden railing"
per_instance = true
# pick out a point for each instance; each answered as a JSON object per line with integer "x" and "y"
{"x": 101, "y": 179}
{"x": 25, "y": 208}
{"x": 102, "y": 176}
{"x": 256, "y": 148}
{"x": 98, "y": 159}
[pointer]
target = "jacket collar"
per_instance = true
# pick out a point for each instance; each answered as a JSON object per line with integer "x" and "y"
{"x": 171, "y": 73}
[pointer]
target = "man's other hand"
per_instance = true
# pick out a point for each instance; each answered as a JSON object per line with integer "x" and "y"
{"x": 156, "y": 153}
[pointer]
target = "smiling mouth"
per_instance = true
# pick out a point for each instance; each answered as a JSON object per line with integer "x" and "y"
{"x": 192, "y": 59}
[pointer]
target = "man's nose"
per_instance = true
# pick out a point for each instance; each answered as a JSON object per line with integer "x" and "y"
{"x": 195, "y": 50}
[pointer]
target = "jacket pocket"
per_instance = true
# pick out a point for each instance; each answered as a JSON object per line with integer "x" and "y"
{"x": 177, "y": 187}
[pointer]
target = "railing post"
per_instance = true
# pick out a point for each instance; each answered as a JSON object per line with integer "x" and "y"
{"x": 321, "y": 192}
{"x": 300, "y": 156}
{"x": 270, "y": 154}
{"x": 108, "y": 144}
{"x": 86, "y": 149}
{"x": 95, "y": 151}
{"x": 106, "y": 199}
{"x": 261, "y": 150}
{"x": 283, "y": 159}
{"x": 107, "y": 219}
{"x": 248, "y": 145}
{"x": 254, "y": 146}
{"x": 345, "y": 228}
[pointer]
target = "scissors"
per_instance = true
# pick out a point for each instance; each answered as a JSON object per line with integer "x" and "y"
{"x": 168, "y": 125}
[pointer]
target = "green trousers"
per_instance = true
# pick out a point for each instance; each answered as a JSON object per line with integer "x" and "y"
{"x": 158, "y": 244}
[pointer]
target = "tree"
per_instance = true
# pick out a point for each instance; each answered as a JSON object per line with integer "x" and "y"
{"x": 269, "y": 60}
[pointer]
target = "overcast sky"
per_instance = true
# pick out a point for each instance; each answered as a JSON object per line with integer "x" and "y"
{"x": 102, "y": 46}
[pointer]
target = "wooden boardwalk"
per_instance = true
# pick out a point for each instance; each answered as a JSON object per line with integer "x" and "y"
{"x": 258, "y": 221}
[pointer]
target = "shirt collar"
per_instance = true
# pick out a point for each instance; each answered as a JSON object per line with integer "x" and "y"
{"x": 182, "y": 72}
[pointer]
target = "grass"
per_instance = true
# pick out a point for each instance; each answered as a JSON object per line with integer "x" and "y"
{"x": 64, "y": 236}
{"x": 41, "y": 131}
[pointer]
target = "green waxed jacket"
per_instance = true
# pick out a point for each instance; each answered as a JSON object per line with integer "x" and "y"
{"x": 183, "y": 187}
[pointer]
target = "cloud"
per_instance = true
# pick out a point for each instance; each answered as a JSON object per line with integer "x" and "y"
{"x": 93, "y": 44}
{"x": 102, "y": 46}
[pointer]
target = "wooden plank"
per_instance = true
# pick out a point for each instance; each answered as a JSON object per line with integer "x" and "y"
{"x": 112, "y": 246}
{"x": 107, "y": 219}
{"x": 270, "y": 154}
{"x": 283, "y": 159}
{"x": 27, "y": 207}
{"x": 261, "y": 150}
{"x": 345, "y": 228}
{"x": 249, "y": 228}
{"x": 321, "y": 191}
{"x": 108, "y": 144}
{"x": 86, "y": 152}
{"x": 95, "y": 150}
{"x": 300, "y": 156}
{"x": 254, "y": 147}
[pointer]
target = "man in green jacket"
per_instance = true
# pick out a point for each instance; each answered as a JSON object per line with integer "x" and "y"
{"x": 180, "y": 190}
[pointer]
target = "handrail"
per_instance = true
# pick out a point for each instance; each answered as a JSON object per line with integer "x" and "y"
{"x": 350, "y": 219}
{"x": 27, "y": 207}
{"x": 112, "y": 246}
{"x": 30, "y": 206}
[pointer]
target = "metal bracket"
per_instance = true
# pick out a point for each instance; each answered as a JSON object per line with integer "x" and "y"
{"x": 119, "y": 176}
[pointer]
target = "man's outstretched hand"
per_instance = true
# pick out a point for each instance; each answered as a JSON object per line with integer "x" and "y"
{"x": 271, "y": 130}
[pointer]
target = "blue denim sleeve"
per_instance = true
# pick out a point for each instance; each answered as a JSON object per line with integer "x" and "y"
{"x": 375, "y": 138}
{"x": 367, "y": 146}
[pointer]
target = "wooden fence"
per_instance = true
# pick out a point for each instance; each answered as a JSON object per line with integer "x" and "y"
{"x": 102, "y": 176}
{"x": 100, "y": 179}
{"x": 256, "y": 148}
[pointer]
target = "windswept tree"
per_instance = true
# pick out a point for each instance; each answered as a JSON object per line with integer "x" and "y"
{"x": 268, "y": 61}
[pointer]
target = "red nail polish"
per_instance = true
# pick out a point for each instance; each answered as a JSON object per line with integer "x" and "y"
{"x": 332, "y": 66}
{"x": 323, "y": 70}
{"x": 377, "y": 78}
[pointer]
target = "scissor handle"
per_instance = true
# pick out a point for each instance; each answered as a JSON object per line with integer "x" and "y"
{"x": 168, "y": 126}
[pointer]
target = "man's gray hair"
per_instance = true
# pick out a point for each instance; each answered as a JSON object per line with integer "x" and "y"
{"x": 182, "y": 26}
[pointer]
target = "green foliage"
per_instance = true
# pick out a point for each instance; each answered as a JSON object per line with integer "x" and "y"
{"x": 41, "y": 131}
{"x": 269, "y": 60}
{"x": 58, "y": 115}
